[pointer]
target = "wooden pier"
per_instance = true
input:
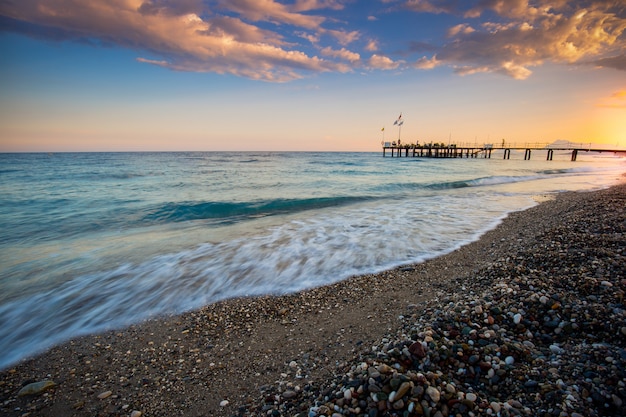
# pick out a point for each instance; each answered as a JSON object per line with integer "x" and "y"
{"x": 485, "y": 151}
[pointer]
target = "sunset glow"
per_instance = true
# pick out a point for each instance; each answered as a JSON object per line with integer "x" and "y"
{"x": 326, "y": 75}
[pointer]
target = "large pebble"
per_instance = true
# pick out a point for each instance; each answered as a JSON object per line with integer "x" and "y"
{"x": 105, "y": 394}
{"x": 418, "y": 350}
{"x": 433, "y": 393}
{"x": 36, "y": 388}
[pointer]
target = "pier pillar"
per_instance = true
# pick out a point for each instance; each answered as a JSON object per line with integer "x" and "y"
{"x": 550, "y": 155}
{"x": 507, "y": 154}
{"x": 574, "y": 154}
{"x": 527, "y": 155}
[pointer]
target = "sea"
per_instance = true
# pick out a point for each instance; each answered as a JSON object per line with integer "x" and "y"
{"x": 91, "y": 242}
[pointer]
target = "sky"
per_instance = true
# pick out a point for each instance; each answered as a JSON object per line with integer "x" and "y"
{"x": 308, "y": 75}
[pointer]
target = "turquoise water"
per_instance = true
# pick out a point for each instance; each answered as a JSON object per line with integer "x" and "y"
{"x": 95, "y": 241}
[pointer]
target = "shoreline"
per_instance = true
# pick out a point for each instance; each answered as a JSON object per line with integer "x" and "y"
{"x": 252, "y": 356}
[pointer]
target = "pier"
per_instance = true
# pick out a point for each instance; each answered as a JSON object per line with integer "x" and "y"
{"x": 485, "y": 151}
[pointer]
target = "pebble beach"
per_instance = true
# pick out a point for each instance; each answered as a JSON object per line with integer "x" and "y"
{"x": 529, "y": 320}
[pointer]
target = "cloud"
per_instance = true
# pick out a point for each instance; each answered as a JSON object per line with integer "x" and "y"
{"x": 308, "y": 5}
{"x": 276, "y": 40}
{"x": 462, "y": 28}
{"x": 617, "y": 100}
{"x": 273, "y": 11}
{"x": 343, "y": 37}
{"x": 427, "y": 63}
{"x": 186, "y": 35}
{"x": 527, "y": 36}
{"x": 382, "y": 62}
{"x": 507, "y": 8}
{"x": 426, "y": 6}
{"x": 372, "y": 45}
{"x": 343, "y": 54}
{"x": 616, "y": 62}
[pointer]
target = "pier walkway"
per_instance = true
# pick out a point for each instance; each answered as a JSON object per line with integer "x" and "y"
{"x": 485, "y": 151}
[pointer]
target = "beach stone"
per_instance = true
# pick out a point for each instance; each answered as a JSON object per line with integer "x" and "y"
{"x": 470, "y": 396}
{"x": 289, "y": 394}
{"x": 556, "y": 349}
{"x": 347, "y": 394}
{"x": 224, "y": 403}
{"x": 385, "y": 369}
{"x": 398, "y": 405}
{"x": 433, "y": 393}
{"x": 105, "y": 394}
{"x": 418, "y": 350}
{"x": 136, "y": 413}
{"x": 36, "y": 388}
{"x": 403, "y": 389}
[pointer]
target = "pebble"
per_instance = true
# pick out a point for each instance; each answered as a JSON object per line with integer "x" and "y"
{"x": 291, "y": 394}
{"x": 433, "y": 393}
{"x": 105, "y": 394}
{"x": 35, "y": 388}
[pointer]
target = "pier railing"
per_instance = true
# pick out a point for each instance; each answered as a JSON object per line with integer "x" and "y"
{"x": 464, "y": 150}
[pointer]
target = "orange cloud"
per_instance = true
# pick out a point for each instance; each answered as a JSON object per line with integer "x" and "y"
{"x": 557, "y": 31}
{"x": 186, "y": 41}
{"x": 617, "y": 100}
{"x": 273, "y": 11}
{"x": 279, "y": 41}
{"x": 382, "y": 62}
{"x": 343, "y": 53}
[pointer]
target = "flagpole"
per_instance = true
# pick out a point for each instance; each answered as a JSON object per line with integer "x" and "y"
{"x": 399, "y": 122}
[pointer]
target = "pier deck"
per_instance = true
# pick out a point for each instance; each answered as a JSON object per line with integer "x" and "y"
{"x": 485, "y": 151}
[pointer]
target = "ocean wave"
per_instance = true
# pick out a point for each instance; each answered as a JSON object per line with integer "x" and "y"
{"x": 232, "y": 211}
{"x": 482, "y": 182}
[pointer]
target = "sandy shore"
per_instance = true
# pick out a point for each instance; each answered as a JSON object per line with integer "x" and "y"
{"x": 529, "y": 320}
